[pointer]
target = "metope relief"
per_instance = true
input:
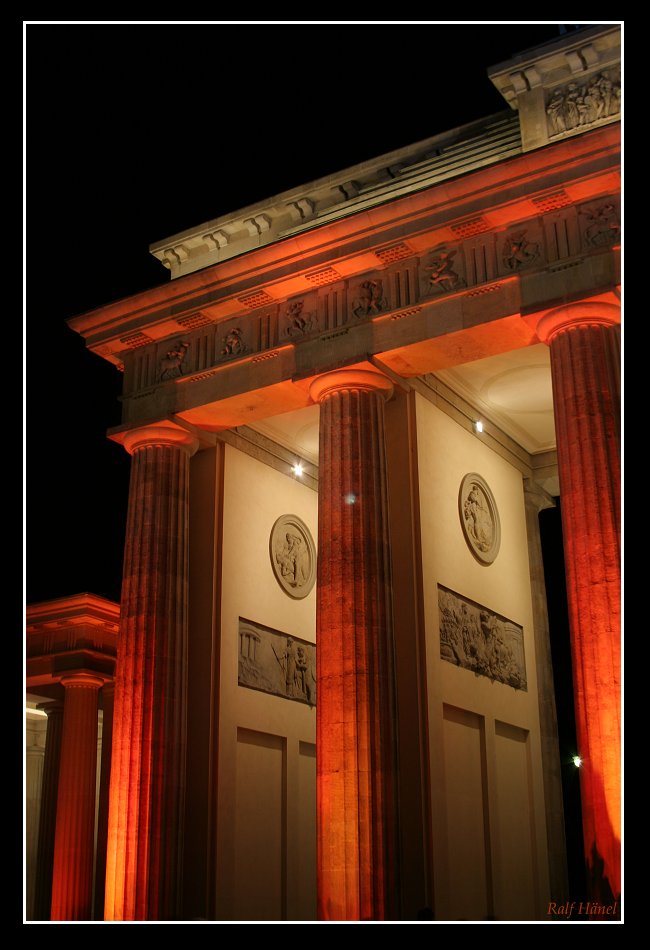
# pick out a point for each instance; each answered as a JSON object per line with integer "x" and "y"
{"x": 478, "y": 639}
{"x": 369, "y": 299}
{"x": 601, "y": 225}
{"x": 299, "y": 322}
{"x": 479, "y": 518}
{"x": 171, "y": 365}
{"x": 232, "y": 343}
{"x": 293, "y": 556}
{"x": 276, "y": 663}
{"x": 518, "y": 251}
{"x": 442, "y": 273}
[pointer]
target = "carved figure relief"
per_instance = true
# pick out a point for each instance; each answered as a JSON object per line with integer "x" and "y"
{"x": 276, "y": 663}
{"x": 369, "y": 299}
{"x": 519, "y": 251}
{"x": 477, "y": 639}
{"x": 233, "y": 345}
{"x": 604, "y": 226}
{"x": 479, "y": 518}
{"x": 171, "y": 365}
{"x": 299, "y": 322}
{"x": 576, "y": 105}
{"x": 442, "y": 275}
{"x": 293, "y": 556}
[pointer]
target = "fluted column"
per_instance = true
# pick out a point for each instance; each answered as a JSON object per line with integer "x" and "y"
{"x": 108, "y": 693}
{"x": 72, "y": 878}
{"x": 583, "y": 340}
{"x": 47, "y": 817}
{"x": 34, "y": 761}
{"x": 355, "y": 743}
{"x": 144, "y": 850}
{"x": 536, "y": 500}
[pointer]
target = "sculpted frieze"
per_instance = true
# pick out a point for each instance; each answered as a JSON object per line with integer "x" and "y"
{"x": 443, "y": 272}
{"x": 369, "y": 299}
{"x": 472, "y": 264}
{"x": 171, "y": 365}
{"x": 601, "y": 224}
{"x": 576, "y": 105}
{"x": 476, "y": 638}
{"x": 276, "y": 663}
{"x": 298, "y": 321}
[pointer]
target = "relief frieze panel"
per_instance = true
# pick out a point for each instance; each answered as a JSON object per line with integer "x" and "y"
{"x": 277, "y": 663}
{"x": 600, "y": 223}
{"x": 519, "y": 249}
{"x": 442, "y": 272}
{"x": 577, "y": 105}
{"x": 299, "y": 320}
{"x": 369, "y": 298}
{"x": 203, "y": 346}
{"x": 478, "y": 639}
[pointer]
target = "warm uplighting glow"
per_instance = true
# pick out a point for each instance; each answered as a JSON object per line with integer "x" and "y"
{"x": 478, "y": 426}
{"x": 577, "y": 761}
{"x": 297, "y": 469}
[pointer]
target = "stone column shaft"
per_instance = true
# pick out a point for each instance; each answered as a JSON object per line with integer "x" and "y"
{"x": 583, "y": 340}
{"x": 356, "y": 703}
{"x": 144, "y": 850}
{"x": 72, "y": 878}
{"x": 108, "y": 693}
{"x": 47, "y": 817}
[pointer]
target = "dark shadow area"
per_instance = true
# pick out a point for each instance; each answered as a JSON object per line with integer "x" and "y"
{"x": 550, "y": 525}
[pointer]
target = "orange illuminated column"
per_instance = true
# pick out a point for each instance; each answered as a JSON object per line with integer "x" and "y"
{"x": 47, "y": 818}
{"x": 584, "y": 343}
{"x": 355, "y": 740}
{"x": 72, "y": 878}
{"x": 144, "y": 849}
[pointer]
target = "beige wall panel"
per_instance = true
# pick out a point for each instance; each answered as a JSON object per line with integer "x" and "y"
{"x": 467, "y": 838}
{"x": 260, "y": 857}
{"x": 514, "y": 883}
{"x": 306, "y": 833}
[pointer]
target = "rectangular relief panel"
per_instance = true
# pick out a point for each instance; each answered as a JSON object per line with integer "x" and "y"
{"x": 276, "y": 663}
{"x": 260, "y": 827}
{"x": 515, "y": 885}
{"x": 306, "y": 832}
{"x": 468, "y": 832}
{"x": 478, "y": 639}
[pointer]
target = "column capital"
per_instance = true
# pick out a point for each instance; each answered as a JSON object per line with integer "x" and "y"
{"x": 164, "y": 433}
{"x": 362, "y": 380}
{"x": 82, "y": 679}
{"x": 582, "y": 313}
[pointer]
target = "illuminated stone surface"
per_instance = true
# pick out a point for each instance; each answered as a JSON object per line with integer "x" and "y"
{"x": 355, "y": 713}
{"x": 584, "y": 356}
{"x": 144, "y": 854}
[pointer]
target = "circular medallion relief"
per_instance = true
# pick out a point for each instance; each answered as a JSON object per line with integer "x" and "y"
{"x": 293, "y": 556}
{"x": 479, "y": 518}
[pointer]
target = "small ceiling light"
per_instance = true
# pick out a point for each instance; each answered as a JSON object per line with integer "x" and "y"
{"x": 478, "y": 426}
{"x": 297, "y": 469}
{"x": 350, "y": 498}
{"x": 577, "y": 761}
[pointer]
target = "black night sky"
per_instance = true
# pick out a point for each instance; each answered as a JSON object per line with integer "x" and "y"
{"x": 136, "y": 131}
